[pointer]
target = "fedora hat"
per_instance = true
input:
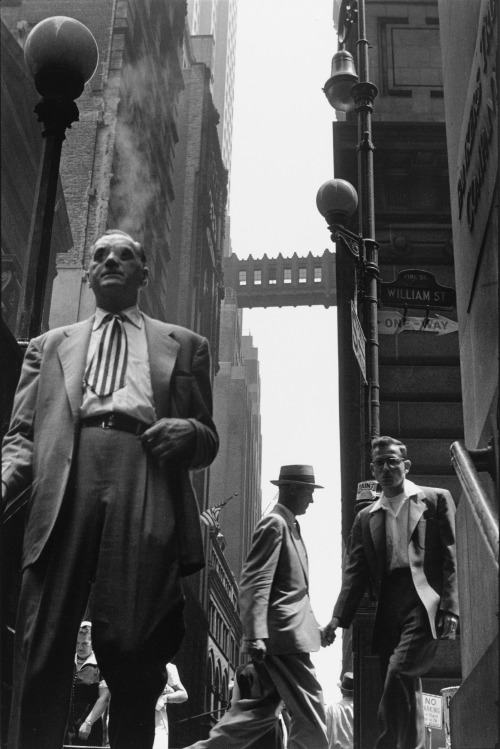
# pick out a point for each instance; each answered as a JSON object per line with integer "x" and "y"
{"x": 347, "y": 683}
{"x": 296, "y": 474}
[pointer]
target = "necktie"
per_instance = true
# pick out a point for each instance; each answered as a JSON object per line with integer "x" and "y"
{"x": 106, "y": 371}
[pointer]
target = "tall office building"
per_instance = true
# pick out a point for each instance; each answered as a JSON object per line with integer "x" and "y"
{"x": 218, "y": 18}
{"x": 237, "y": 468}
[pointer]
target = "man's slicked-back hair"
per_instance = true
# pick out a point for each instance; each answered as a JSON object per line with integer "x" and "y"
{"x": 384, "y": 443}
{"x": 138, "y": 246}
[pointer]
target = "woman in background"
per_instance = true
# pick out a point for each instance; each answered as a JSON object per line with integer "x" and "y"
{"x": 174, "y": 692}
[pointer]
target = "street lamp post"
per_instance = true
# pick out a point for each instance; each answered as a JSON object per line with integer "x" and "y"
{"x": 61, "y": 54}
{"x": 337, "y": 202}
{"x": 345, "y": 92}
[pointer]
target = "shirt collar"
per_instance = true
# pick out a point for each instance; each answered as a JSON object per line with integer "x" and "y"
{"x": 91, "y": 660}
{"x": 134, "y": 315}
{"x": 410, "y": 490}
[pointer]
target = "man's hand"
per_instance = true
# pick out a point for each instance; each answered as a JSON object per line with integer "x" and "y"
{"x": 168, "y": 438}
{"x": 161, "y": 702}
{"x": 446, "y": 626}
{"x": 256, "y": 649}
{"x": 328, "y": 632}
{"x": 84, "y": 731}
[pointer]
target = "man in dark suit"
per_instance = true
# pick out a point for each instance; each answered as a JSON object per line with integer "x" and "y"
{"x": 279, "y": 628}
{"x": 404, "y": 546}
{"x": 110, "y": 416}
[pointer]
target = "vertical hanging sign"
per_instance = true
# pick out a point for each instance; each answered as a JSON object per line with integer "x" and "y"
{"x": 358, "y": 341}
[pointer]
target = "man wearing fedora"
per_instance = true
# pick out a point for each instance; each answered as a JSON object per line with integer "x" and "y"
{"x": 279, "y": 628}
{"x": 403, "y": 545}
{"x": 340, "y": 716}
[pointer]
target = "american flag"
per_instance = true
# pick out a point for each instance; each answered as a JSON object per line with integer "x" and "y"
{"x": 210, "y": 516}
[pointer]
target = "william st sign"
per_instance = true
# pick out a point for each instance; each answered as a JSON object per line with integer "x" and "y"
{"x": 417, "y": 289}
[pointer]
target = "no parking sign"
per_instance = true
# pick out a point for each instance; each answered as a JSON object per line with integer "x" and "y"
{"x": 433, "y": 710}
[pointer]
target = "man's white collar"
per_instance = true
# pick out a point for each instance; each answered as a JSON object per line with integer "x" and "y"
{"x": 133, "y": 313}
{"x": 91, "y": 660}
{"x": 410, "y": 490}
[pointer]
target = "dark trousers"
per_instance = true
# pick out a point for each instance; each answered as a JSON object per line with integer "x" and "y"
{"x": 406, "y": 649}
{"x": 287, "y": 678}
{"x": 115, "y": 538}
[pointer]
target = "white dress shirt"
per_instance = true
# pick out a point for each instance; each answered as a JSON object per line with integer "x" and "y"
{"x": 136, "y": 397}
{"x": 396, "y": 511}
{"x": 340, "y": 724}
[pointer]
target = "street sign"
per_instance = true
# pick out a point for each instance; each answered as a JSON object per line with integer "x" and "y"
{"x": 358, "y": 341}
{"x": 391, "y": 322}
{"x": 417, "y": 289}
{"x": 433, "y": 710}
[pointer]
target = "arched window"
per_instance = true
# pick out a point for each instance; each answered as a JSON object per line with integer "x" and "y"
{"x": 210, "y": 682}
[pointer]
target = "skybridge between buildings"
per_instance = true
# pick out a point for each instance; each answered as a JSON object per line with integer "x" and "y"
{"x": 282, "y": 281}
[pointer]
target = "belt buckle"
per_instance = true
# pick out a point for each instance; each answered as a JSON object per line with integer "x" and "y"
{"x": 105, "y": 424}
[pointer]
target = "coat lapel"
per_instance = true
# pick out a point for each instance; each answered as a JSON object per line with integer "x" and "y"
{"x": 302, "y": 554}
{"x": 377, "y": 533}
{"x": 415, "y": 511}
{"x": 73, "y": 357}
{"x": 163, "y": 350}
{"x": 298, "y": 544}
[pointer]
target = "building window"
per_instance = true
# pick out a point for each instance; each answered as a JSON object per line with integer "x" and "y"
{"x": 317, "y": 275}
{"x": 257, "y": 277}
{"x": 302, "y": 275}
{"x": 287, "y": 275}
{"x": 243, "y": 278}
{"x": 272, "y": 275}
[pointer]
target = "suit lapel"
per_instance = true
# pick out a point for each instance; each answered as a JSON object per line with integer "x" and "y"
{"x": 415, "y": 511}
{"x": 302, "y": 554}
{"x": 298, "y": 544}
{"x": 73, "y": 357}
{"x": 163, "y": 350}
{"x": 377, "y": 533}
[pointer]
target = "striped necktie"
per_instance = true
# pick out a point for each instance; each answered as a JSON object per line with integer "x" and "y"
{"x": 106, "y": 371}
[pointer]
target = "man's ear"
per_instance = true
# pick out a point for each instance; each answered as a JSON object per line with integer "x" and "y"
{"x": 407, "y": 465}
{"x": 372, "y": 469}
{"x": 145, "y": 276}
{"x": 87, "y": 278}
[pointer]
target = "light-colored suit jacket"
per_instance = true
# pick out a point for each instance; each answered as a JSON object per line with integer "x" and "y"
{"x": 431, "y": 553}
{"x": 40, "y": 447}
{"x": 274, "y": 588}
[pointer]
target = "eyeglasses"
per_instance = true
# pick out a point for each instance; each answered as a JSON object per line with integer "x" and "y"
{"x": 391, "y": 462}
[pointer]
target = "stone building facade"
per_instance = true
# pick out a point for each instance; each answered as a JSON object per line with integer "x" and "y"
{"x": 470, "y": 77}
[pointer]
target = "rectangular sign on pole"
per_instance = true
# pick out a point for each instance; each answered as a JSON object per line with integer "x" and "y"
{"x": 417, "y": 289}
{"x": 358, "y": 341}
{"x": 433, "y": 710}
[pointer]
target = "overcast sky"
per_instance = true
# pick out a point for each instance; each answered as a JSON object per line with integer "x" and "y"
{"x": 282, "y": 153}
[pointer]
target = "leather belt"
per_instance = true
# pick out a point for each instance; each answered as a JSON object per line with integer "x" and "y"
{"x": 116, "y": 420}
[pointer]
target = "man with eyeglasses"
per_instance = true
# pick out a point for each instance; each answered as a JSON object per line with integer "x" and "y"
{"x": 404, "y": 546}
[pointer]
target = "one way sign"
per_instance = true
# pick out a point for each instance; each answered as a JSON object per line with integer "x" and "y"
{"x": 391, "y": 322}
